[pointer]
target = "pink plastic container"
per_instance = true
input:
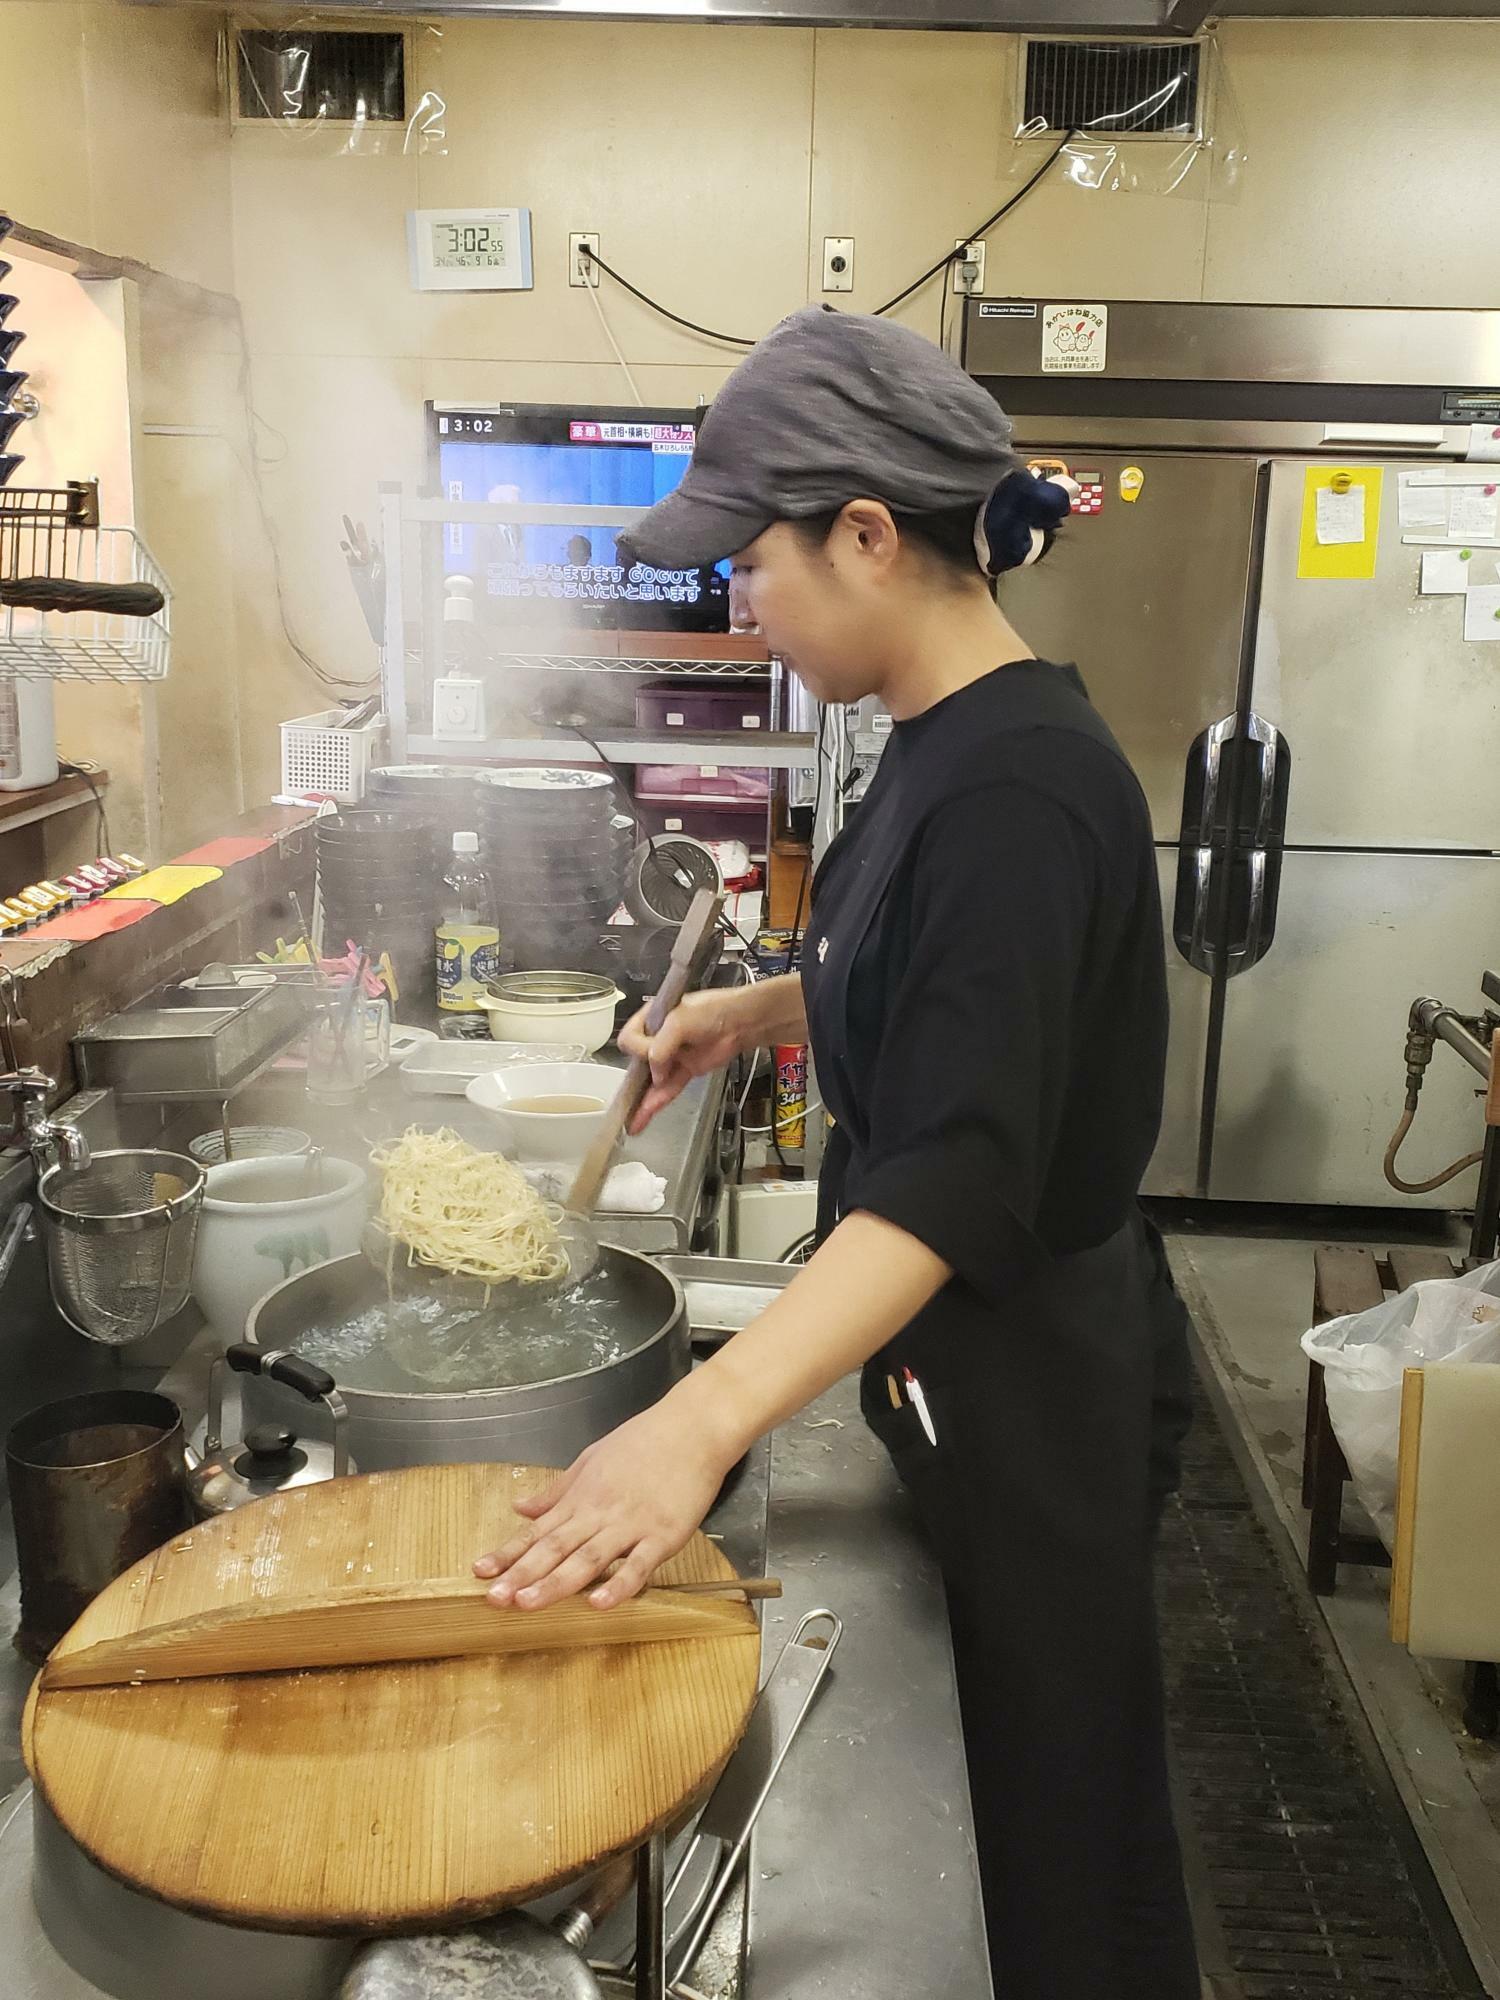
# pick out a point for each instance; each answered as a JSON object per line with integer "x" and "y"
{"x": 709, "y": 784}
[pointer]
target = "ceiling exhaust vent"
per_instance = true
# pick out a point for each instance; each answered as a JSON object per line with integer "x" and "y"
{"x": 311, "y": 76}
{"x": 1145, "y": 90}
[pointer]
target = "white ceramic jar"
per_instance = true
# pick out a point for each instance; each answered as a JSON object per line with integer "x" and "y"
{"x": 265, "y": 1220}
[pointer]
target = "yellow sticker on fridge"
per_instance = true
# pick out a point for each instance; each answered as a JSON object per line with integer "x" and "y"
{"x": 1340, "y": 522}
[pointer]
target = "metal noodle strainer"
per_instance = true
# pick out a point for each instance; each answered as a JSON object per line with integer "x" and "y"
{"x": 429, "y": 1353}
{"x": 120, "y": 1234}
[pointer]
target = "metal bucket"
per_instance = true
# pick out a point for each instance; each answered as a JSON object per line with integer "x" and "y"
{"x": 96, "y": 1482}
{"x": 538, "y": 1423}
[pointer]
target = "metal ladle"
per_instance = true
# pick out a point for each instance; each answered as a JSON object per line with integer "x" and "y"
{"x": 511, "y": 1957}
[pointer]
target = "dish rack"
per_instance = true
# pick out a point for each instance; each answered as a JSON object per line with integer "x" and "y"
{"x": 55, "y": 533}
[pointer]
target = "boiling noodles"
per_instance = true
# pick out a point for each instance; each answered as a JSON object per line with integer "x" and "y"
{"x": 471, "y": 1214}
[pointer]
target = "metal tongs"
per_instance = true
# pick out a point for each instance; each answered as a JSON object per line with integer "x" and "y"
{"x": 729, "y": 1818}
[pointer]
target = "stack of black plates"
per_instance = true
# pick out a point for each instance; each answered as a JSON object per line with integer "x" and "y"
{"x": 556, "y": 857}
{"x": 443, "y": 793}
{"x": 379, "y": 882}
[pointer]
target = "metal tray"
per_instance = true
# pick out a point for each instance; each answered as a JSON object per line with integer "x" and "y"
{"x": 446, "y": 1069}
{"x": 183, "y": 1043}
{"x": 724, "y": 1294}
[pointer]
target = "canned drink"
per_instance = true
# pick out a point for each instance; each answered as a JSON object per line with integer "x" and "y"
{"x": 789, "y": 1100}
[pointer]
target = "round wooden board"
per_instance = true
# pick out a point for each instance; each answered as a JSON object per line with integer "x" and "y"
{"x": 377, "y": 1799}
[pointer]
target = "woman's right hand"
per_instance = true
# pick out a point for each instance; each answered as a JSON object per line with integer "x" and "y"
{"x": 703, "y": 1033}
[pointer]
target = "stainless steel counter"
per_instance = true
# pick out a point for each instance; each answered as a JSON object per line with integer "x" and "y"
{"x": 862, "y": 1880}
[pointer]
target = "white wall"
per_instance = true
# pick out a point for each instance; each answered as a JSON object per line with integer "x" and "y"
{"x": 713, "y": 161}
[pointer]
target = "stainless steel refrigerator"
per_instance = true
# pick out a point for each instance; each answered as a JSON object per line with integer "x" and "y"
{"x": 1321, "y": 751}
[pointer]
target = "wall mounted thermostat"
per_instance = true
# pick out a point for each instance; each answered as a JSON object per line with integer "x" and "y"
{"x": 470, "y": 249}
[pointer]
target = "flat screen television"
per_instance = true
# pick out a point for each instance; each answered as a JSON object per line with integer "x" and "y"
{"x": 557, "y": 455}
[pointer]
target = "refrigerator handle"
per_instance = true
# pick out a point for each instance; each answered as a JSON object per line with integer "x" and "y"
{"x": 1243, "y": 956}
{"x": 1213, "y": 740}
{"x": 1202, "y": 861}
{"x": 1267, "y": 739}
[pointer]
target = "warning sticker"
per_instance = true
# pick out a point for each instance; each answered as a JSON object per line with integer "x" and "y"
{"x": 1074, "y": 339}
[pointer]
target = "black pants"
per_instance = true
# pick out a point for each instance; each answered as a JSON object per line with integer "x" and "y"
{"x": 1057, "y": 1424}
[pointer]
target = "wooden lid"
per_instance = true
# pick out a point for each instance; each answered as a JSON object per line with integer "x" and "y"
{"x": 377, "y": 1799}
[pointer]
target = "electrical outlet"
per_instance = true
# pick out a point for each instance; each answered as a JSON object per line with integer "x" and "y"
{"x": 973, "y": 254}
{"x": 580, "y": 271}
{"x": 838, "y": 263}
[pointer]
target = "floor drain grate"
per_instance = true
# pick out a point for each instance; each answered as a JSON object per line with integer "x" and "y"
{"x": 1313, "y": 1875}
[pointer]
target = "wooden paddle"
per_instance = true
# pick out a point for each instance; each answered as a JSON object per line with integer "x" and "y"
{"x": 696, "y": 932}
{"x": 448, "y": 1618}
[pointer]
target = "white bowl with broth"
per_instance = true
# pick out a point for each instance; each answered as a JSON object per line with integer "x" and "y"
{"x": 546, "y": 1111}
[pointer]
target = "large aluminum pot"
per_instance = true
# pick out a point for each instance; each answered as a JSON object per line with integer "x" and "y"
{"x": 541, "y": 1423}
{"x": 74, "y": 1933}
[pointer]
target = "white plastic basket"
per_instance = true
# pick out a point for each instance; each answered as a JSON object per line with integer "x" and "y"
{"x": 320, "y": 760}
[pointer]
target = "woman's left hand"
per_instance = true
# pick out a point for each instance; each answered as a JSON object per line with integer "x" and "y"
{"x": 635, "y": 1497}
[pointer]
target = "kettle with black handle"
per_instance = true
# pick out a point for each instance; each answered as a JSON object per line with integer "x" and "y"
{"x": 267, "y": 1459}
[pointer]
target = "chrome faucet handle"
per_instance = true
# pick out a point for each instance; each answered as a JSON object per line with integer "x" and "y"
{"x": 31, "y": 1088}
{"x": 27, "y": 1083}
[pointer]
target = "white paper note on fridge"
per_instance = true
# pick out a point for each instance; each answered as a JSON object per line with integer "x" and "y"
{"x": 1474, "y": 510}
{"x": 1482, "y": 614}
{"x": 1423, "y": 505}
{"x": 1341, "y": 516}
{"x": 1484, "y": 444}
{"x": 1445, "y": 573}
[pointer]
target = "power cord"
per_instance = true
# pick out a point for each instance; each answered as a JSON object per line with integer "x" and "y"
{"x": 791, "y": 1116}
{"x": 956, "y": 255}
{"x": 609, "y": 335}
{"x": 89, "y": 775}
{"x": 340, "y": 686}
{"x": 588, "y": 256}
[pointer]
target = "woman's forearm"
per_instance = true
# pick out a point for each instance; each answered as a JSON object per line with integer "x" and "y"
{"x": 867, "y": 1281}
{"x": 775, "y": 1012}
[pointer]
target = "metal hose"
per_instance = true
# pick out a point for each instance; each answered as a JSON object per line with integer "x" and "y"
{"x": 1437, "y": 1180}
{"x": 1429, "y": 1019}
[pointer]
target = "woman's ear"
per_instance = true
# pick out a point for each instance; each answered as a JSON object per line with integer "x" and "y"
{"x": 870, "y": 530}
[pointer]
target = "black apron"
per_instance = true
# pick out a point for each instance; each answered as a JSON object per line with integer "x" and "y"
{"x": 1056, "y": 1419}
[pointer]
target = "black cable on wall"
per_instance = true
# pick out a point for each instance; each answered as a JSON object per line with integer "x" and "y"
{"x": 943, "y": 264}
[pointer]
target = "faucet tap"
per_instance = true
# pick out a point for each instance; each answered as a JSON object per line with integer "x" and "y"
{"x": 43, "y": 1135}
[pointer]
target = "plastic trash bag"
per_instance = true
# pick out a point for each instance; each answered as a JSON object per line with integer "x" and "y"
{"x": 1364, "y": 1355}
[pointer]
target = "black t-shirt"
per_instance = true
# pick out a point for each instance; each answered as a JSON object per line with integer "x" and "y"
{"x": 986, "y": 985}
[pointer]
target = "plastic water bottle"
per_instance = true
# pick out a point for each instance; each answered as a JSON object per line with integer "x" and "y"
{"x": 468, "y": 943}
